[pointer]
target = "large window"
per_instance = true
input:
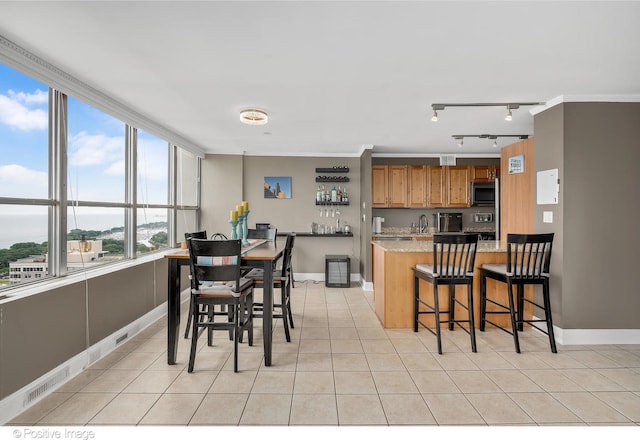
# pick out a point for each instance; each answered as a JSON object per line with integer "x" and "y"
{"x": 89, "y": 153}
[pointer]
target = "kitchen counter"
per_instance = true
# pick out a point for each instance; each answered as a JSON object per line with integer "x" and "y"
{"x": 484, "y": 246}
{"x": 393, "y": 281}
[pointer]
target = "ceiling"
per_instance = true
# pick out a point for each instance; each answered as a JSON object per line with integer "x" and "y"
{"x": 336, "y": 77}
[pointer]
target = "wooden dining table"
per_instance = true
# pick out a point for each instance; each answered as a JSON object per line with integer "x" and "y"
{"x": 259, "y": 252}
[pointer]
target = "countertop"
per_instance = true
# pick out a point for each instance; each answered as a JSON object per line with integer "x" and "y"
{"x": 427, "y": 245}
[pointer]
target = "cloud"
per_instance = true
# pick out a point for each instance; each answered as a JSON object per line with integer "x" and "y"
{"x": 14, "y": 111}
{"x": 18, "y": 181}
{"x": 98, "y": 149}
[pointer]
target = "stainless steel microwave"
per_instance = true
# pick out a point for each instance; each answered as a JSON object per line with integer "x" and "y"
{"x": 483, "y": 194}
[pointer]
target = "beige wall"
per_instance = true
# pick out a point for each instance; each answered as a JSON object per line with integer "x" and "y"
{"x": 595, "y": 257}
{"x": 227, "y": 180}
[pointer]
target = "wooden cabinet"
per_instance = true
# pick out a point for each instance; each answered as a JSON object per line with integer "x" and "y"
{"x": 420, "y": 186}
{"x": 458, "y": 187}
{"x": 485, "y": 173}
{"x": 448, "y": 187}
{"x": 417, "y": 186}
{"x": 389, "y": 186}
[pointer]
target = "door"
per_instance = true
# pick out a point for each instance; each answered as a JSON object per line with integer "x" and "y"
{"x": 458, "y": 187}
{"x": 379, "y": 186}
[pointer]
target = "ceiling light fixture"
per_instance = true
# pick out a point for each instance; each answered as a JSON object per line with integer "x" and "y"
{"x": 435, "y": 108}
{"x": 510, "y": 106}
{"x": 460, "y": 137}
{"x": 252, "y": 116}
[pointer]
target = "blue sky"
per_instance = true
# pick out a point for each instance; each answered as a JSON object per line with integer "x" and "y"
{"x": 95, "y": 147}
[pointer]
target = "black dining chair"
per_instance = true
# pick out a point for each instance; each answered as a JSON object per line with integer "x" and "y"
{"x": 217, "y": 281}
{"x": 187, "y": 236}
{"x": 453, "y": 264}
{"x": 528, "y": 261}
{"x": 281, "y": 279}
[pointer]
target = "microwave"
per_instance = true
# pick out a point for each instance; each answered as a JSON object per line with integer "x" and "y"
{"x": 483, "y": 194}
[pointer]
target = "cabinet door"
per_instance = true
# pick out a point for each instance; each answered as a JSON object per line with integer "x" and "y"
{"x": 458, "y": 187}
{"x": 417, "y": 186}
{"x": 379, "y": 186}
{"x": 484, "y": 173}
{"x": 436, "y": 186}
{"x": 398, "y": 186}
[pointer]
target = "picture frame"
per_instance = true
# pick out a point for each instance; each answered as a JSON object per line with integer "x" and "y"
{"x": 516, "y": 164}
{"x": 277, "y": 187}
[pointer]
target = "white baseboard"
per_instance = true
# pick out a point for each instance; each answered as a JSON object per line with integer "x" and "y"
{"x": 597, "y": 336}
{"x": 16, "y": 403}
{"x": 319, "y": 277}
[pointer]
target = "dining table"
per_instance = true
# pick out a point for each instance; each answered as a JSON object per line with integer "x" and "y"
{"x": 263, "y": 253}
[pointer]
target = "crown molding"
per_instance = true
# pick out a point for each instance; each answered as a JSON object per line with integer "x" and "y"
{"x": 583, "y": 98}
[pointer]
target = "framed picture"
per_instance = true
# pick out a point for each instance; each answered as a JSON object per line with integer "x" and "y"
{"x": 277, "y": 187}
{"x": 516, "y": 164}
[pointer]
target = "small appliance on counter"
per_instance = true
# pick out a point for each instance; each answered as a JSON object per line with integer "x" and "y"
{"x": 377, "y": 224}
{"x": 449, "y": 221}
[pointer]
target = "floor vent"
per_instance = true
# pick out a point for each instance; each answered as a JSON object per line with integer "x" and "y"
{"x": 122, "y": 338}
{"x": 447, "y": 159}
{"x": 46, "y": 386}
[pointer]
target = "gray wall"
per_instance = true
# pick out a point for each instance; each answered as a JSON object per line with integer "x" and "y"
{"x": 40, "y": 332}
{"x": 221, "y": 186}
{"x": 365, "y": 217}
{"x": 595, "y": 147}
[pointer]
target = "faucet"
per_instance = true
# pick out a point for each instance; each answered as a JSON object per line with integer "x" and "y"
{"x": 422, "y": 224}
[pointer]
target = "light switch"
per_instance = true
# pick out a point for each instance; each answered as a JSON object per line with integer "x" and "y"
{"x": 547, "y": 217}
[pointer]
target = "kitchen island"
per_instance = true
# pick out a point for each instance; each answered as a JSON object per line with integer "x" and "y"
{"x": 393, "y": 281}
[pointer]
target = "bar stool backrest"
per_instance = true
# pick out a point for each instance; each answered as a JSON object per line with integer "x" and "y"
{"x": 454, "y": 255}
{"x": 529, "y": 255}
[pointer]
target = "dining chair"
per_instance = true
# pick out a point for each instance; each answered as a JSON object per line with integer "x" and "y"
{"x": 282, "y": 280}
{"x": 187, "y": 236}
{"x": 453, "y": 263}
{"x": 262, "y": 234}
{"x": 217, "y": 281}
{"x": 528, "y": 261}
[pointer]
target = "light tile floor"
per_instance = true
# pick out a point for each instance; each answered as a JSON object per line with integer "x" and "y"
{"x": 342, "y": 368}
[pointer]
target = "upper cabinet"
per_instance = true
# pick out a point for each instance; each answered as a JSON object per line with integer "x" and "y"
{"x": 389, "y": 186}
{"x": 485, "y": 173}
{"x": 420, "y": 186}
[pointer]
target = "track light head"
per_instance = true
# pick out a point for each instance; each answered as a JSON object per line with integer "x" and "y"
{"x": 436, "y": 108}
{"x": 509, "y": 116}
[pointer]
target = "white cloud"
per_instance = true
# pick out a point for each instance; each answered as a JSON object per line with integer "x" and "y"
{"x": 116, "y": 168}
{"x": 86, "y": 149}
{"x": 15, "y": 114}
{"x": 18, "y": 181}
{"x": 38, "y": 97}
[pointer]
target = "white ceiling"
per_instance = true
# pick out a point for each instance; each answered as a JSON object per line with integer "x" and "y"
{"x": 336, "y": 76}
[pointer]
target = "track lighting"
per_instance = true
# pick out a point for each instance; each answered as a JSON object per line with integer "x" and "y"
{"x": 435, "y": 108}
{"x": 460, "y": 137}
{"x": 510, "y": 106}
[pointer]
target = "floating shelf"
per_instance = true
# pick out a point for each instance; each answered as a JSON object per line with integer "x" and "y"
{"x": 332, "y": 179}
{"x": 331, "y": 203}
{"x": 332, "y": 170}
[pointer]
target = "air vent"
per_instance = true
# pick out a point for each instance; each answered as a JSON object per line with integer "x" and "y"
{"x": 46, "y": 386}
{"x": 447, "y": 159}
{"x": 122, "y": 338}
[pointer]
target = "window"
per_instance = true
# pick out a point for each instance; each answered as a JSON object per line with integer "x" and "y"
{"x": 24, "y": 174}
{"x": 96, "y": 204}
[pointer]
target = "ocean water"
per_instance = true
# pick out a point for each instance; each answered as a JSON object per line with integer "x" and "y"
{"x": 20, "y": 228}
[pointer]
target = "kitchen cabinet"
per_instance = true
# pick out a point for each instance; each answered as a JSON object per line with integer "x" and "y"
{"x": 448, "y": 186}
{"x": 485, "y": 173}
{"x": 389, "y": 186}
{"x": 417, "y": 175}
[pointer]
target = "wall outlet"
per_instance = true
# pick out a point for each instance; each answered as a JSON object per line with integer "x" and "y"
{"x": 547, "y": 217}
